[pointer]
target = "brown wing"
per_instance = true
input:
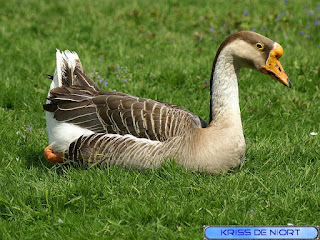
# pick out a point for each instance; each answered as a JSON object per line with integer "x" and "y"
{"x": 114, "y": 149}
{"x": 113, "y": 112}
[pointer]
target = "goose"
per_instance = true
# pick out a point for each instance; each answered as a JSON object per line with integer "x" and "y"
{"x": 88, "y": 126}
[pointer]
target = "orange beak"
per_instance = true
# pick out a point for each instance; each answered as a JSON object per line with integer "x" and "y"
{"x": 273, "y": 67}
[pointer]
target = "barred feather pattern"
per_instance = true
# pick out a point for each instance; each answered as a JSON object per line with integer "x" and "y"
{"x": 114, "y": 149}
{"x": 118, "y": 113}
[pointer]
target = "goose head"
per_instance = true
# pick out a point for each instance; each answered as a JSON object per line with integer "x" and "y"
{"x": 252, "y": 50}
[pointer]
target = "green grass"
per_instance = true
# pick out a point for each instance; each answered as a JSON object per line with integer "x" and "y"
{"x": 279, "y": 182}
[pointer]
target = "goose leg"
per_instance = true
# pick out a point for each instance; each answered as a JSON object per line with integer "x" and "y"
{"x": 51, "y": 156}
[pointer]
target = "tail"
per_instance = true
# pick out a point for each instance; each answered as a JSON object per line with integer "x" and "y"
{"x": 69, "y": 72}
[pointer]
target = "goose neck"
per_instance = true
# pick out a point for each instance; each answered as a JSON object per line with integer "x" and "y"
{"x": 224, "y": 88}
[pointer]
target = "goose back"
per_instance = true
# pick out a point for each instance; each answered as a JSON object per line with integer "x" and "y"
{"x": 118, "y": 113}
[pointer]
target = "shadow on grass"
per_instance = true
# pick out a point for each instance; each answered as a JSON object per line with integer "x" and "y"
{"x": 34, "y": 158}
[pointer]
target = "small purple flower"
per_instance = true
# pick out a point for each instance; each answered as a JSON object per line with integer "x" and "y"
{"x": 24, "y": 136}
{"x": 307, "y": 26}
{"x": 214, "y": 38}
{"x": 100, "y": 59}
{"x": 105, "y": 82}
{"x": 278, "y": 18}
{"x": 308, "y": 36}
{"x": 119, "y": 67}
{"x": 318, "y": 8}
{"x": 211, "y": 29}
{"x": 254, "y": 29}
{"x": 283, "y": 12}
{"x": 246, "y": 12}
{"x": 29, "y": 128}
{"x": 101, "y": 80}
{"x": 124, "y": 80}
{"x": 126, "y": 70}
{"x": 152, "y": 75}
{"x": 285, "y": 1}
{"x": 302, "y": 32}
{"x": 263, "y": 28}
{"x": 98, "y": 76}
{"x": 91, "y": 70}
{"x": 310, "y": 12}
{"x": 316, "y": 22}
{"x": 251, "y": 211}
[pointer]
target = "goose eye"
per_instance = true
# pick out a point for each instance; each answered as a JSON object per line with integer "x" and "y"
{"x": 259, "y": 46}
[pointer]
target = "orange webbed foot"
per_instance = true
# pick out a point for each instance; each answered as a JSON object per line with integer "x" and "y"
{"x": 51, "y": 156}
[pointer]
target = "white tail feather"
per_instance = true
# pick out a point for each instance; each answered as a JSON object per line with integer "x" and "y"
{"x": 62, "y": 58}
{"x": 62, "y": 134}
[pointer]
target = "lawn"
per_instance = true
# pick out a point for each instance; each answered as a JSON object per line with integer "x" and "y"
{"x": 161, "y": 50}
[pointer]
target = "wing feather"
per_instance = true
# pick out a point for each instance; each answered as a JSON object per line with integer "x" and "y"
{"x": 119, "y": 113}
{"x": 114, "y": 149}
